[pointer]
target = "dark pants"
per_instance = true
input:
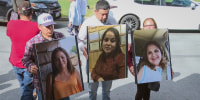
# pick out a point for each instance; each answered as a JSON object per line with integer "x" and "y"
{"x": 143, "y": 92}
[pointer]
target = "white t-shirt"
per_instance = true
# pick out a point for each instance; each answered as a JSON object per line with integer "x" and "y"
{"x": 150, "y": 75}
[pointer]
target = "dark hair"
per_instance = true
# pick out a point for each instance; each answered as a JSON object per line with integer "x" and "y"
{"x": 55, "y": 69}
{"x": 25, "y": 8}
{"x": 118, "y": 49}
{"x": 102, "y": 4}
{"x": 152, "y": 20}
{"x": 163, "y": 62}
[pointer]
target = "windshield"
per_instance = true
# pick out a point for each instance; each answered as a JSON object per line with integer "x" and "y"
{"x": 42, "y": 0}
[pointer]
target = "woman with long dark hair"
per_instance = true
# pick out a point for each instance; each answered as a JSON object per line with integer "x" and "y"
{"x": 111, "y": 62}
{"x": 64, "y": 80}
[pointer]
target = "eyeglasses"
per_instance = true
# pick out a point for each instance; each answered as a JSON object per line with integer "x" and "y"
{"x": 149, "y": 25}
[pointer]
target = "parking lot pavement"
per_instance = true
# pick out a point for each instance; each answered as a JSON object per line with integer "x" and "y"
{"x": 185, "y": 58}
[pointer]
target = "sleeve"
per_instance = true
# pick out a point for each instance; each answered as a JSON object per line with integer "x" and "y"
{"x": 28, "y": 58}
{"x": 121, "y": 65}
{"x": 140, "y": 75}
{"x": 94, "y": 73}
{"x": 82, "y": 36}
{"x": 79, "y": 80}
{"x": 72, "y": 11}
{"x": 130, "y": 63}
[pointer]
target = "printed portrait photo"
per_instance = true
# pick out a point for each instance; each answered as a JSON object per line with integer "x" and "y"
{"x": 152, "y": 55}
{"x": 60, "y": 74}
{"x": 107, "y": 52}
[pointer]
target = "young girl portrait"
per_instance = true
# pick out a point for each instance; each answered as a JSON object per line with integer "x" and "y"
{"x": 111, "y": 62}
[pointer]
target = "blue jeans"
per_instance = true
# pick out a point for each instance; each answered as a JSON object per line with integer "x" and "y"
{"x": 106, "y": 86}
{"x": 25, "y": 79}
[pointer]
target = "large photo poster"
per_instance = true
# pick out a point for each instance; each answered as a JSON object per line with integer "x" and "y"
{"x": 152, "y": 58}
{"x": 60, "y": 74}
{"x": 107, "y": 52}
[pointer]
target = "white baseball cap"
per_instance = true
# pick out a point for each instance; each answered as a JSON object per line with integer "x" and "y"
{"x": 45, "y": 19}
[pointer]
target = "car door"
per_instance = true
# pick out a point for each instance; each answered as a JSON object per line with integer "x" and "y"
{"x": 173, "y": 16}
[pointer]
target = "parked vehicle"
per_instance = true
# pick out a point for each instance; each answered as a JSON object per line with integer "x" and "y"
{"x": 5, "y": 10}
{"x": 47, "y": 6}
{"x": 39, "y": 6}
{"x": 173, "y": 14}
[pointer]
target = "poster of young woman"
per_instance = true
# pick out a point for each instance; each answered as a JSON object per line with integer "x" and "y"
{"x": 152, "y": 58}
{"x": 107, "y": 52}
{"x": 60, "y": 74}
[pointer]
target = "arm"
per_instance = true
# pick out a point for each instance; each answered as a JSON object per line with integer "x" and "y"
{"x": 71, "y": 13}
{"x": 94, "y": 73}
{"x": 130, "y": 63}
{"x": 82, "y": 36}
{"x": 49, "y": 87}
{"x": 79, "y": 80}
{"x": 140, "y": 73}
{"x": 121, "y": 65}
{"x": 28, "y": 58}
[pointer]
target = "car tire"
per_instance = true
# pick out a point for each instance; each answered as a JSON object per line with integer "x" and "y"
{"x": 9, "y": 15}
{"x": 131, "y": 20}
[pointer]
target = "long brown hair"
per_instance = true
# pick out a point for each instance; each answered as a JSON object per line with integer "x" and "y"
{"x": 55, "y": 69}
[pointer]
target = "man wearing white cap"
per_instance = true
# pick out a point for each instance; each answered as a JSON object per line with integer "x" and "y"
{"x": 46, "y": 26}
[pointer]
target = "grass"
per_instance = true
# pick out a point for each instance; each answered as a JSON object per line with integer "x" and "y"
{"x": 65, "y": 7}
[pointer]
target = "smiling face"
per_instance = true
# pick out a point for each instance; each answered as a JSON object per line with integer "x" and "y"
{"x": 109, "y": 42}
{"x": 61, "y": 60}
{"x": 154, "y": 55}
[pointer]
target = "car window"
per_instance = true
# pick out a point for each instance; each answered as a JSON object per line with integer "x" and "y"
{"x": 179, "y": 3}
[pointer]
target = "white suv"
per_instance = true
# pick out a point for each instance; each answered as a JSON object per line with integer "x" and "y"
{"x": 176, "y": 14}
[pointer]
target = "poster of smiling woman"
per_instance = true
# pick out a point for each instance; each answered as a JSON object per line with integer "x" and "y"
{"x": 59, "y": 72}
{"x": 107, "y": 52}
{"x": 152, "y": 58}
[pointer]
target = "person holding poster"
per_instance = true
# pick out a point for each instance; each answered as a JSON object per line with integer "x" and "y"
{"x": 143, "y": 92}
{"x": 64, "y": 80}
{"x": 111, "y": 62}
{"x": 101, "y": 17}
{"x": 47, "y": 33}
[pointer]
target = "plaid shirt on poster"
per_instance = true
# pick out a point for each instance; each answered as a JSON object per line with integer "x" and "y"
{"x": 28, "y": 59}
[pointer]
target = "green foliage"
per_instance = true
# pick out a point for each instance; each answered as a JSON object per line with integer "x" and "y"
{"x": 65, "y": 7}
{"x": 73, "y": 49}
